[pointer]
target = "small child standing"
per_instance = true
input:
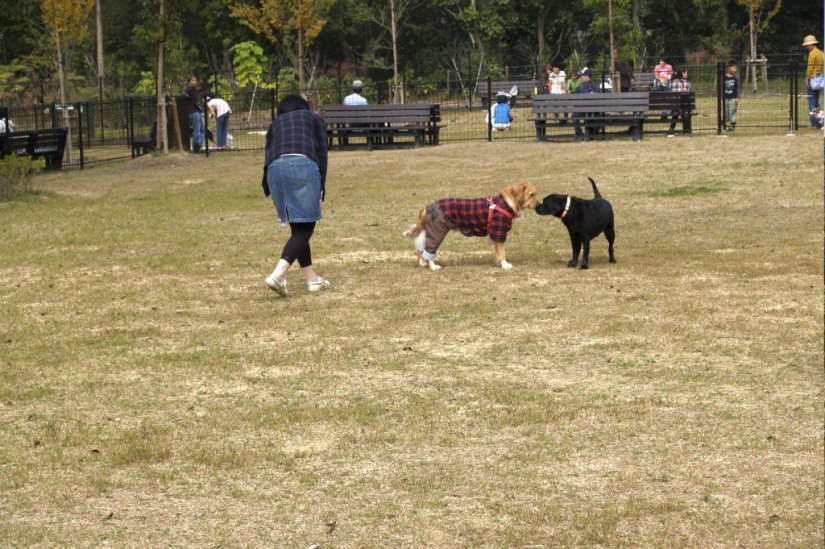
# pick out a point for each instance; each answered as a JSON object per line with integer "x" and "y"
{"x": 732, "y": 92}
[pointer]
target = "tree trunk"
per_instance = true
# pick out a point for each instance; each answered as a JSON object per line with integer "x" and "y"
{"x": 394, "y": 32}
{"x": 161, "y": 135}
{"x": 752, "y": 63}
{"x": 612, "y": 44}
{"x": 64, "y": 94}
{"x": 301, "y": 80}
{"x": 540, "y": 26}
{"x": 100, "y": 71}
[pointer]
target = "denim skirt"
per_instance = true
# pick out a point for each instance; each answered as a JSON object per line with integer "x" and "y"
{"x": 295, "y": 187}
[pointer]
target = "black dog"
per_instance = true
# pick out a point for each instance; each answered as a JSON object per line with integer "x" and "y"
{"x": 584, "y": 219}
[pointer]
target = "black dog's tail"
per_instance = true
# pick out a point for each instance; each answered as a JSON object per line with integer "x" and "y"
{"x": 595, "y": 190}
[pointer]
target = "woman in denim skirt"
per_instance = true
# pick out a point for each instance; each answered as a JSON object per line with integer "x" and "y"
{"x": 295, "y": 172}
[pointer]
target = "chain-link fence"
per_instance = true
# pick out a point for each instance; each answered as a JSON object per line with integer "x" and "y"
{"x": 101, "y": 132}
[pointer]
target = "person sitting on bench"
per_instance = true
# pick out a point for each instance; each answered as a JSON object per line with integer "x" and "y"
{"x": 356, "y": 98}
{"x": 587, "y": 86}
{"x": 679, "y": 83}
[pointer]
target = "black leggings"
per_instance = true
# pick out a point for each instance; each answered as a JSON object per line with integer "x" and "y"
{"x": 297, "y": 247}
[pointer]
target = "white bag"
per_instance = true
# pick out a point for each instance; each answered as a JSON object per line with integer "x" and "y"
{"x": 817, "y": 82}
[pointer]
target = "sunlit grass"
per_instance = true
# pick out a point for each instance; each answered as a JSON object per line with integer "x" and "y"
{"x": 153, "y": 391}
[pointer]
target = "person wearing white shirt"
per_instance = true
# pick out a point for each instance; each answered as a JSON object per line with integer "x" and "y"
{"x": 220, "y": 111}
{"x": 355, "y": 98}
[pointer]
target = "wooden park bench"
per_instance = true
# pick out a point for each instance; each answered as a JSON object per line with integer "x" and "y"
{"x": 526, "y": 90}
{"x": 381, "y": 124}
{"x": 643, "y": 81}
{"x": 48, "y": 144}
{"x": 664, "y": 106}
{"x": 592, "y": 112}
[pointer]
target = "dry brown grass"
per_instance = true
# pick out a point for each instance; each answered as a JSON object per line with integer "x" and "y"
{"x": 154, "y": 392}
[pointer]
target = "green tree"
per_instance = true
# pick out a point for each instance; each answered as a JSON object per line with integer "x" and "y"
{"x": 67, "y": 20}
{"x": 760, "y": 13}
{"x": 292, "y": 25}
{"x": 627, "y": 39}
{"x": 249, "y": 66}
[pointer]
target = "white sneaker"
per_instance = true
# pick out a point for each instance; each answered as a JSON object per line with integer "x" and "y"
{"x": 279, "y": 287}
{"x": 318, "y": 283}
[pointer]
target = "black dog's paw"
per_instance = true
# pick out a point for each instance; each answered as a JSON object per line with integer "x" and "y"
{"x": 584, "y": 266}
{"x": 572, "y": 263}
{"x": 613, "y": 260}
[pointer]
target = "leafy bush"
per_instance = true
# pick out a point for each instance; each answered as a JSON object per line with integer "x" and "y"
{"x": 16, "y": 175}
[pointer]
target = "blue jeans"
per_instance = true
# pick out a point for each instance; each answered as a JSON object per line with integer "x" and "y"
{"x": 813, "y": 103}
{"x": 222, "y": 128}
{"x": 196, "y": 121}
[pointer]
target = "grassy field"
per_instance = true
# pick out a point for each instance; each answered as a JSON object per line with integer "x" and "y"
{"x": 154, "y": 392}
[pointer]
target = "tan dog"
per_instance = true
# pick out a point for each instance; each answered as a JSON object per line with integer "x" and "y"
{"x": 490, "y": 216}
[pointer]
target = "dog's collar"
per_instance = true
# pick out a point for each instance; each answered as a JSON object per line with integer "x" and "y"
{"x": 566, "y": 208}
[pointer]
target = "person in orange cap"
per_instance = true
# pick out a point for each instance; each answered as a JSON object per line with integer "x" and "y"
{"x": 814, "y": 77}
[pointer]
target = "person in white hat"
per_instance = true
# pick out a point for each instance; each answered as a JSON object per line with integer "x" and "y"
{"x": 355, "y": 98}
{"x": 813, "y": 77}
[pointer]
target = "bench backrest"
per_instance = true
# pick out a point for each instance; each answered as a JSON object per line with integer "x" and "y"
{"x": 590, "y": 103}
{"x": 412, "y": 113}
{"x": 672, "y": 101}
{"x": 526, "y": 88}
{"x": 643, "y": 80}
{"x": 30, "y": 140}
{"x": 20, "y": 143}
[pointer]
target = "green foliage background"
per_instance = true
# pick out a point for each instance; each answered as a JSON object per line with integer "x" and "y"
{"x": 436, "y": 39}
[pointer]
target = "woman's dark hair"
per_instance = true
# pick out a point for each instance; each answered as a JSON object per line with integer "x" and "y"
{"x": 292, "y": 103}
{"x": 678, "y": 75}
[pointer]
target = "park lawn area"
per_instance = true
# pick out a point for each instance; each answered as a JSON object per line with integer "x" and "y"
{"x": 154, "y": 392}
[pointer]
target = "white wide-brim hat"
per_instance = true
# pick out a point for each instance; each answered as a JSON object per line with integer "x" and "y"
{"x": 810, "y": 40}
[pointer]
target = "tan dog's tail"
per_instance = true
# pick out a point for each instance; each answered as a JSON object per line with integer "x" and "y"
{"x": 416, "y": 233}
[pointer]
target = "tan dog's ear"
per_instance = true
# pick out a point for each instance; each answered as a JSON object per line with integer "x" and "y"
{"x": 527, "y": 196}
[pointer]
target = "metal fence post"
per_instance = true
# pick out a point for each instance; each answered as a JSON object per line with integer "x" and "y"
{"x": 206, "y": 126}
{"x": 795, "y": 97}
{"x": 130, "y": 124}
{"x": 79, "y": 108}
{"x": 489, "y": 109}
{"x": 720, "y": 94}
{"x": 791, "y": 95}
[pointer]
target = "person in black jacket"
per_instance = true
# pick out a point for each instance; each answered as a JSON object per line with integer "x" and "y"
{"x": 295, "y": 172}
{"x": 195, "y": 113}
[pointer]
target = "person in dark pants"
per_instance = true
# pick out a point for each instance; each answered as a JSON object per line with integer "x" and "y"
{"x": 625, "y": 70}
{"x": 195, "y": 113}
{"x": 587, "y": 86}
{"x": 295, "y": 171}
{"x": 679, "y": 83}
